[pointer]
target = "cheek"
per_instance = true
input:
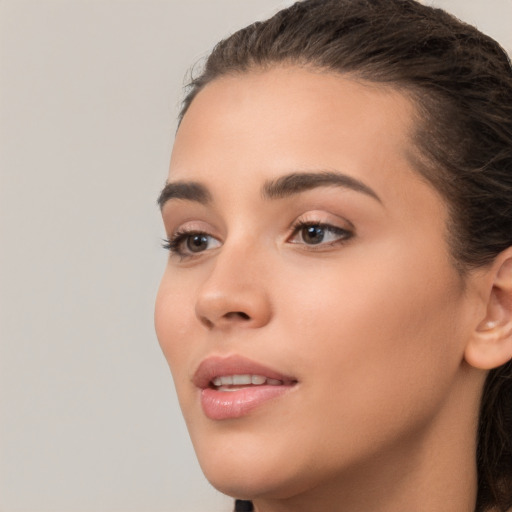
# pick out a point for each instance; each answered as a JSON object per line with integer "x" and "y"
{"x": 386, "y": 295}
{"x": 376, "y": 337}
{"x": 173, "y": 321}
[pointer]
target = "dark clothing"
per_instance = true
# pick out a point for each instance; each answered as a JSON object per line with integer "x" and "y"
{"x": 243, "y": 506}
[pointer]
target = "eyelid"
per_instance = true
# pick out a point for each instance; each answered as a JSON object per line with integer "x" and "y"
{"x": 333, "y": 224}
{"x": 319, "y": 217}
{"x": 179, "y": 236}
{"x": 191, "y": 226}
{"x": 342, "y": 235}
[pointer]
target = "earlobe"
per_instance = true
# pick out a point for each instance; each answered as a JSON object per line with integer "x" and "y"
{"x": 491, "y": 343}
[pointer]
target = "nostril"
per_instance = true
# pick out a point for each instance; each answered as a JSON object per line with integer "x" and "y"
{"x": 232, "y": 316}
{"x": 207, "y": 323}
{"x": 238, "y": 314}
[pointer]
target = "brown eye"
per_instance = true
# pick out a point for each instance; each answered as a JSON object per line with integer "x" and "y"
{"x": 197, "y": 243}
{"x": 313, "y": 234}
{"x": 323, "y": 235}
{"x": 185, "y": 243}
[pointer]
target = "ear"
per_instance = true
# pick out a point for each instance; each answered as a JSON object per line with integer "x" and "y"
{"x": 491, "y": 343}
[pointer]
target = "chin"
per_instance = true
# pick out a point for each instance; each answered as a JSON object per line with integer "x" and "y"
{"x": 247, "y": 471}
{"x": 258, "y": 472}
{"x": 250, "y": 485}
{"x": 246, "y": 487}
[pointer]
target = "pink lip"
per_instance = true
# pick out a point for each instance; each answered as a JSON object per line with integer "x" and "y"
{"x": 219, "y": 405}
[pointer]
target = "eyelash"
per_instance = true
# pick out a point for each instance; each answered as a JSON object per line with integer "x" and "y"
{"x": 343, "y": 235}
{"x": 174, "y": 243}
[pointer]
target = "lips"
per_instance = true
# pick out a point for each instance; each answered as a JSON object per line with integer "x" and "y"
{"x": 233, "y": 386}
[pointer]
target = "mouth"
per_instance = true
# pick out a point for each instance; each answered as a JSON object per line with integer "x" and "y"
{"x": 236, "y": 382}
{"x": 233, "y": 386}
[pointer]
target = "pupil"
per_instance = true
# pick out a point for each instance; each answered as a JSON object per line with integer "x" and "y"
{"x": 197, "y": 243}
{"x": 313, "y": 234}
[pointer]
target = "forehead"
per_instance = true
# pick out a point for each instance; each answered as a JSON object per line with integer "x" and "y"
{"x": 245, "y": 129}
{"x": 293, "y": 113}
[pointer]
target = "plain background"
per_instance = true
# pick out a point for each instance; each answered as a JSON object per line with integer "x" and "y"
{"x": 89, "y": 91}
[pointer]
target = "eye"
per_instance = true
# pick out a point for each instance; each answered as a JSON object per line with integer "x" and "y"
{"x": 310, "y": 233}
{"x": 189, "y": 243}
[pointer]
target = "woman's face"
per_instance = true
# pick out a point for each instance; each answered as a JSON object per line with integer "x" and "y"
{"x": 309, "y": 258}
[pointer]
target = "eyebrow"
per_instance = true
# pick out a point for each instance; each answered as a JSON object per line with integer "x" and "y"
{"x": 298, "y": 182}
{"x": 282, "y": 187}
{"x": 189, "y": 190}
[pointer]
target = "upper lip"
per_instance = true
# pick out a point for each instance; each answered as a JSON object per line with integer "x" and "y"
{"x": 217, "y": 366}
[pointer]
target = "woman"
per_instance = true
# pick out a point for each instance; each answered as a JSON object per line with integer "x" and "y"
{"x": 337, "y": 306}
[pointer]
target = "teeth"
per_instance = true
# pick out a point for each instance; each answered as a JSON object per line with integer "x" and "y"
{"x": 244, "y": 380}
{"x": 240, "y": 380}
{"x": 258, "y": 379}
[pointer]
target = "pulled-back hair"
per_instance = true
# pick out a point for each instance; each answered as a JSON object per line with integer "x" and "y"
{"x": 461, "y": 83}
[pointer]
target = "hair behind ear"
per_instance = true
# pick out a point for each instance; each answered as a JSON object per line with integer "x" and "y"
{"x": 491, "y": 349}
{"x": 494, "y": 455}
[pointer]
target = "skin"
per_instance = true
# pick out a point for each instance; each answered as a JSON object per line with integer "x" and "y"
{"x": 373, "y": 326}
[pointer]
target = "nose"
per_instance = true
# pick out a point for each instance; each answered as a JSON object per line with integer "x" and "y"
{"x": 235, "y": 293}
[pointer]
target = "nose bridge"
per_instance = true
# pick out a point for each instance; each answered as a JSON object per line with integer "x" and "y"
{"x": 236, "y": 288}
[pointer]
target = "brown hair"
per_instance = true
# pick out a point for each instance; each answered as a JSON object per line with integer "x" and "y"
{"x": 461, "y": 82}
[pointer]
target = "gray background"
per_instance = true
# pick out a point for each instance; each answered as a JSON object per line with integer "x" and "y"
{"x": 89, "y": 91}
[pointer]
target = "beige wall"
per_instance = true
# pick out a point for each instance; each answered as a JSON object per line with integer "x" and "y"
{"x": 88, "y": 95}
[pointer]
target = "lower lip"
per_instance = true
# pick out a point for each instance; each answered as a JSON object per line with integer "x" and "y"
{"x": 223, "y": 405}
